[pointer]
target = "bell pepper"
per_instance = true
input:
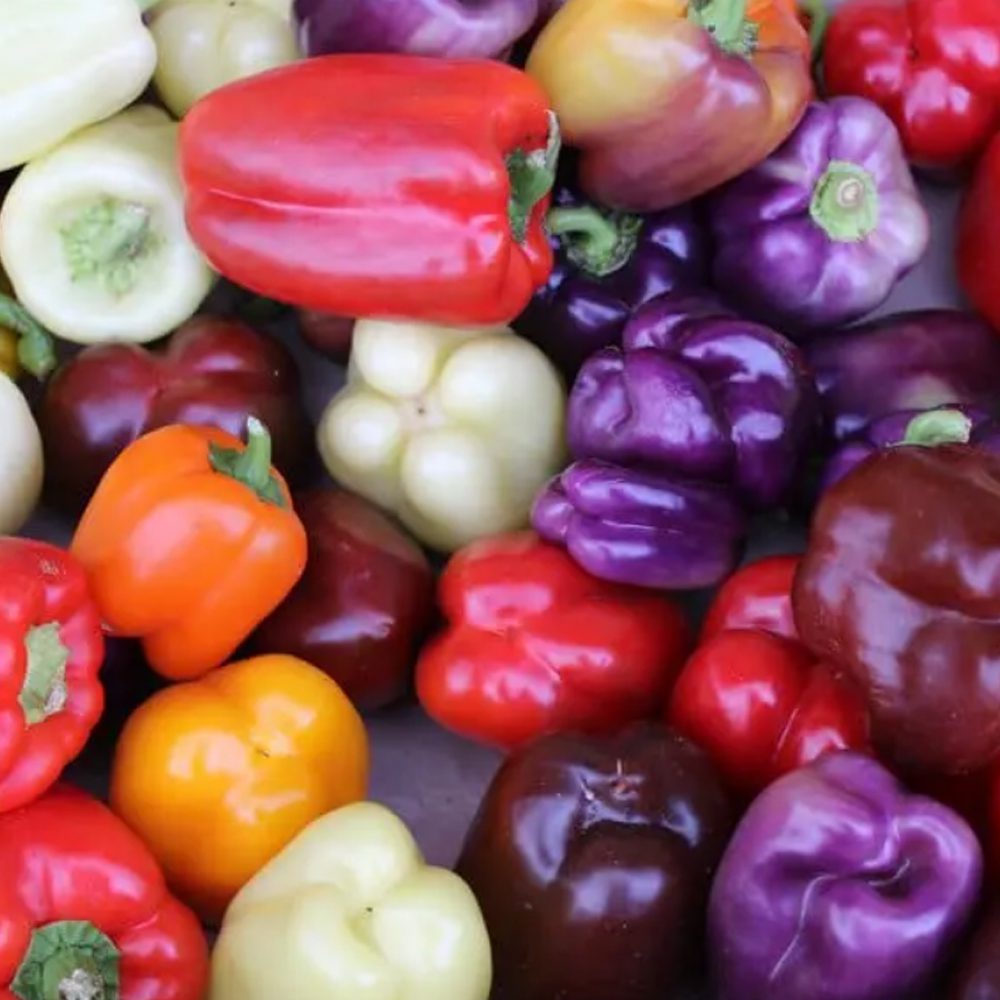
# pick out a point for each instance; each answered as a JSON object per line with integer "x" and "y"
{"x": 607, "y": 264}
{"x": 756, "y": 596}
{"x": 534, "y": 645}
{"x": 455, "y": 28}
{"x": 978, "y": 254}
{"x": 21, "y": 460}
{"x": 211, "y": 372}
{"x": 444, "y": 166}
{"x": 52, "y": 653}
{"x": 898, "y": 590}
{"x": 670, "y": 98}
{"x": 218, "y": 775}
{"x": 453, "y": 430}
{"x": 68, "y": 65}
{"x": 350, "y": 911}
{"x": 591, "y": 858}
{"x": 203, "y": 46}
{"x": 932, "y": 65}
{"x": 819, "y": 233}
{"x": 330, "y": 335}
{"x": 189, "y": 542}
{"x": 645, "y": 529}
{"x": 92, "y": 234}
{"x": 840, "y": 885}
{"x": 907, "y": 361}
{"x": 85, "y": 911}
{"x": 363, "y": 605}
{"x": 761, "y": 706}
{"x": 978, "y": 974}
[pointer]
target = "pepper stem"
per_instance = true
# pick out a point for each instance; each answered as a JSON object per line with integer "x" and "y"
{"x": 727, "y": 22}
{"x": 532, "y": 176}
{"x": 250, "y": 465}
{"x": 68, "y": 960}
{"x": 44, "y": 691}
{"x": 937, "y": 427}
{"x": 819, "y": 20}
{"x": 35, "y": 348}
{"x": 845, "y": 202}
{"x": 597, "y": 243}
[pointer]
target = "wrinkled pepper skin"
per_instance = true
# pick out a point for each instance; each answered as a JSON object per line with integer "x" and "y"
{"x": 907, "y": 361}
{"x": 444, "y": 166}
{"x": 978, "y": 254}
{"x": 840, "y": 885}
{"x": 670, "y": 98}
{"x": 51, "y": 652}
{"x": 902, "y": 596}
{"x": 189, "y": 542}
{"x": 978, "y": 975}
{"x": 591, "y": 859}
{"x": 468, "y": 29}
{"x": 607, "y": 264}
{"x": 932, "y": 65}
{"x": 698, "y": 393}
{"x": 363, "y": 605}
{"x": 640, "y": 528}
{"x": 760, "y": 705}
{"x": 759, "y": 596}
{"x": 210, "y": 373}
{"x": 218, "y": 775}
{"x": 74, "y": 874}
{"x": 535, "y": 645}
{"x": 819, "y": 233}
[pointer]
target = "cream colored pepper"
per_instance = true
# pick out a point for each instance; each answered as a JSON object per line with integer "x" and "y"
{"x": 453, "y": 430}
{"x": 21, "y": 464}
{"x": 205, "y": 44}
{"x": 350, "y": 911}
{"x": 66, "y": 65}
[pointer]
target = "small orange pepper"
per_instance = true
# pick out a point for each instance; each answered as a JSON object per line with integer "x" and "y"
{"x": 189, "y": 542}
{"x": 218, "y": 775}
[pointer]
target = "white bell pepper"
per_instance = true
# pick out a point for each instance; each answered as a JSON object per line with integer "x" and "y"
{"x": 21, "y": 464}
{"x": 92, "y": 235}
{"x": 349, "y": 911}
{"x": 66, "y": 65}
{"x": 205, "y": 44}
{"x": 452, "y": 430}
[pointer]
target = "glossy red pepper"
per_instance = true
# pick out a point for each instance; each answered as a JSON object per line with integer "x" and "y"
{"x": 978, "y": 248}
{"x": 536, "y": 645}
{"x": 759, "y": 595}
{"x": 389, "y": 186}
{"x": 85, "y": 913}
{"x": 760, "y": 705}
{"x": 51, "y": 650}
{"x": 932, "y": 65}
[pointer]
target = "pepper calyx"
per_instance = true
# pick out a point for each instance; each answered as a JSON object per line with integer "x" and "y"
{"x": 727, "y": 22}
{"x": 845, "y": 202}
{"x": 68, "y": 960}
{"x": 532, "y": 176}
{"x": 35, "y": 347}
{"x": 44, "y": 692}
{"x": 596, "y": 242}
{"x": 250, "y": 465}
{"x": 937, "y": 427}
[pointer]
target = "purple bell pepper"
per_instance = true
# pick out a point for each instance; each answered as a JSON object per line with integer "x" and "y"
{"x": 819, "y": 233}
{"x": 457, "y": 28}
{"x": 607, "y": 265}
{"x": 696, "y": 392}
{"x": 636, "y": 527}
{"x": 840, "y": 885}
{"x": 909, "y": 361}
{"x": 942, "y": 425}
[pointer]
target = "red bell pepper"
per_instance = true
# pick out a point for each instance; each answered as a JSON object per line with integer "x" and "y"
{"x": 389, "y": 186}
{"x": 760, "y": 705}
{"x": 759, "y": 595}
{"x": 51, "y": 651}
{"x": 536, "y": 645}
{"x": 932, "y": 65}
{"x": 85, "y": 913}
{"x": 978, "y": 248}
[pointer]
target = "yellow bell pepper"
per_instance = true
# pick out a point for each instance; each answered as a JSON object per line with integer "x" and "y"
{"x": 350, "y": 911}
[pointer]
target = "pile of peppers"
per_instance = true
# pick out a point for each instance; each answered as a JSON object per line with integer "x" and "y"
{"x": 380, "y": 365}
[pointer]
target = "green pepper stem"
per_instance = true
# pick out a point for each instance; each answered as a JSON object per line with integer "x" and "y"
{"x": 43, "y": 693}
{"x": 250, "y": 465}
{"x": 35, "y": 348}
{"x": 845, "y": 203}
{"x": 727, "y": 22}
{"x": 819, "y": 20}
{"x": 597, "y": 243}
{"x": 936, "y": 427}
{"x": 68, "y": 960}
{"x": 532, "y": 176}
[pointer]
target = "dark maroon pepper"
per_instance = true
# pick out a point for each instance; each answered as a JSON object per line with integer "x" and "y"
{"x": 978, "y": 975}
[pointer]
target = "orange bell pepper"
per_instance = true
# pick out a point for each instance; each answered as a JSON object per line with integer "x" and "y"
{"x": 218, "y": 775}
{"x": 190, "y": 541}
